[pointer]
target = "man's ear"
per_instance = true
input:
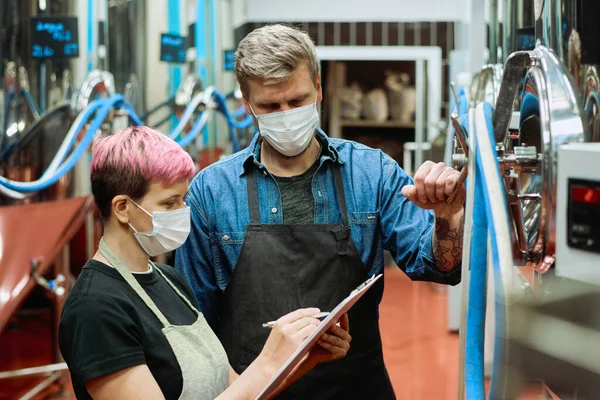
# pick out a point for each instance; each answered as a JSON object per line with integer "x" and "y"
{"x": 319, "y": 89}
{"x": 120, "y": 209}
{"x": 247, "y": 104}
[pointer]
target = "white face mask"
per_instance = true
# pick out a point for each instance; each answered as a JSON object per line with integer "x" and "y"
{"x": 170, "y": 230}
{"x": 289, "y": 132}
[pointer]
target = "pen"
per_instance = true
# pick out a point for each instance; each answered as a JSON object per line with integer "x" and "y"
{"x": 272, "y": 323}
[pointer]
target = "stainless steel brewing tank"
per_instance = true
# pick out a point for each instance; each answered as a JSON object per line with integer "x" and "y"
{"x": 572, "y": 29}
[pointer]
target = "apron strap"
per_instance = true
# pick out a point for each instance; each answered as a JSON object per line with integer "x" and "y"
{"x": 177, "y": 291}
{"x": 253, "y": 197}
{"x": 341, "y": 195}
{"x": 135, "y": 285}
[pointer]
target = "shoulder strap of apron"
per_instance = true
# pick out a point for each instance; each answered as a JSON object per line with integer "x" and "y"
{"x": 183, "y": 297}
{"x": 339, "y": 190}
{"x": 135, "y": 285}
{"x": 253, "y": 195}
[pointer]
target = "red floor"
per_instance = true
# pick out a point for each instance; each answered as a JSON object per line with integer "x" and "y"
{"x": 422, "y": 357}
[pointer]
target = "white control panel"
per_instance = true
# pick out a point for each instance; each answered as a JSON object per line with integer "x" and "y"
{"x": 578, "y": 212}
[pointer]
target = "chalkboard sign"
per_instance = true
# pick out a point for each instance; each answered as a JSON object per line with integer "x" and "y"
{"x": 54, "y": 37}
{"x": 228, "y": 60}
{"x": 172, "y": 48}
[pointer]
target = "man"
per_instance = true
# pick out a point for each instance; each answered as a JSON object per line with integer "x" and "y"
{"x": 298, "y": 219}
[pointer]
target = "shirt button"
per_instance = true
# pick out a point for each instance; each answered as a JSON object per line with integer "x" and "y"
{"x": 274, "y": 210}
{"x": 265, "y": 173}
{"x": 225, "y": 238}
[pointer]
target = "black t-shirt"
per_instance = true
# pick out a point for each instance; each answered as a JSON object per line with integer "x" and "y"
{"x": 297, "y": 197}
{"x": 105, "y": 326}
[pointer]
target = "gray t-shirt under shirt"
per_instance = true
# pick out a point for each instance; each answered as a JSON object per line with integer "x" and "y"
{"x": 297, "y": 197}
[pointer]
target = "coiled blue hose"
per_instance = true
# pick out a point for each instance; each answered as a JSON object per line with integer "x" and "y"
{"x": 475, "y": 329}
{"x": 239, "y": 112}
{"x": 222, "y": 104}
{"x": 498, "y": 382}
{"x": 103, "y": 107}
{"x": 88, "y": 113}
{"x": 196, "y": 129}
{"x": 45, "y": 182}
{"x": 231, "y": 121}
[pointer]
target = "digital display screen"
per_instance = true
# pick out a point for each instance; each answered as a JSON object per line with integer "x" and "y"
{"x": 54, "y": 37}
{"x": 173, "y": 48}
{"x": 587, "y": 195}
{"x": 229, "y": 60}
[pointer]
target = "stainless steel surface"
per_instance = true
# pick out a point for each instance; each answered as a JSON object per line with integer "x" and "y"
{"x": 420, "y": 111}
{"x": 188, "y": 88}
{"x": 127, "y": 47}
{"x": 494, "y": 32}
{"x": 461, "y": 134}
{"x": 561, "y": 122}
{"x": 97, "y": 83}
{"x": 530, "y": 173}
{"x": 517, "y": 14}
{"x": 565, "y": 24}
{"x": 486, "y": 85}
{"x": 33, "y": 371}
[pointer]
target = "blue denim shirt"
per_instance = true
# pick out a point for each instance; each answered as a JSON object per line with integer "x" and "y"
{"x": 380, "y": 217}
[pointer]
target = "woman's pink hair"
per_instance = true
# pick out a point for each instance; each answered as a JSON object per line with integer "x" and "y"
{"x": 127, "y": 161}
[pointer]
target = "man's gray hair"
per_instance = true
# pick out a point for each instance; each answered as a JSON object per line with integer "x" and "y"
{"x": 272, "y": 53}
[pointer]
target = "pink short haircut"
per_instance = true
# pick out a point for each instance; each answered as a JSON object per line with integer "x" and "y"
{"x": 126, "y": 162}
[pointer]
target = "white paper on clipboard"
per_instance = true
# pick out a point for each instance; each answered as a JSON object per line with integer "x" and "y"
{"x": 308, "y": 344}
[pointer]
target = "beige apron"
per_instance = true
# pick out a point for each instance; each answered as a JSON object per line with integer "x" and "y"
{"x": 201, "y": 357}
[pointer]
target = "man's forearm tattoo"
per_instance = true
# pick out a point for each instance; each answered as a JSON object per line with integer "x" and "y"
{"x": 448, "y": 244}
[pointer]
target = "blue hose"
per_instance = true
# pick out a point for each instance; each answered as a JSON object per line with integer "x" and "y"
{"x": 475, "y": 329}
{"x": 32, "y": 104}
{"x": 222, "y": 104}
{"x": 497, "y": 387}
{"x": 239, "y": 112}
{"x": 89, "y": 111}
{"x": 196, "y": 129}
{"x": 69, "y": 164}
{"x": 231, "y": 122}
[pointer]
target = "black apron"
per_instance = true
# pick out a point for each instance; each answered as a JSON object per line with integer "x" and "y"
{"x": 282, "y": 268}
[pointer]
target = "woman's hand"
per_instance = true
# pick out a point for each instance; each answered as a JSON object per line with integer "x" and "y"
{"x": 333, "y": 345}
{"x": 287, "y": 335}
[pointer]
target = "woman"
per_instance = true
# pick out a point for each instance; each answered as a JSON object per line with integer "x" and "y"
{"x": 130, "y": 329}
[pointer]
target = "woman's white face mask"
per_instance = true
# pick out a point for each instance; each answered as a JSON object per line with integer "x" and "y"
{"x": 170, "y": 230}
{"x": 289, "y": 132}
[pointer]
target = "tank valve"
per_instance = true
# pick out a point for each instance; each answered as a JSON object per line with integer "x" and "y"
{"x": 53, "y": 286}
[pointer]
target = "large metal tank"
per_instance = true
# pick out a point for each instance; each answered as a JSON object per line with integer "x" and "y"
{"x": 127, "y": 47}
{"x": 572, "y": 28}
{"x": 36, "y": 114}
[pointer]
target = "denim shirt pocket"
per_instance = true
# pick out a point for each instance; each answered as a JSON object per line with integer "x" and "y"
{"x": 365, "y": 234}
{"x": 226, "y": 247}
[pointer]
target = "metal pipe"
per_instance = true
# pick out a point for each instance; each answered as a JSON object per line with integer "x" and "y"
{"x": 18, "y": 373}
{"x": 41, "y": 386}
{"x": 494, "y": 32}
{"x": 508, "y": 28}
{"x": 420, "y": 113}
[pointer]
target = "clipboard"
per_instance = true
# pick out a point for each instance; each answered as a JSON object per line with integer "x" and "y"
{"x": 310, "y": 341}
